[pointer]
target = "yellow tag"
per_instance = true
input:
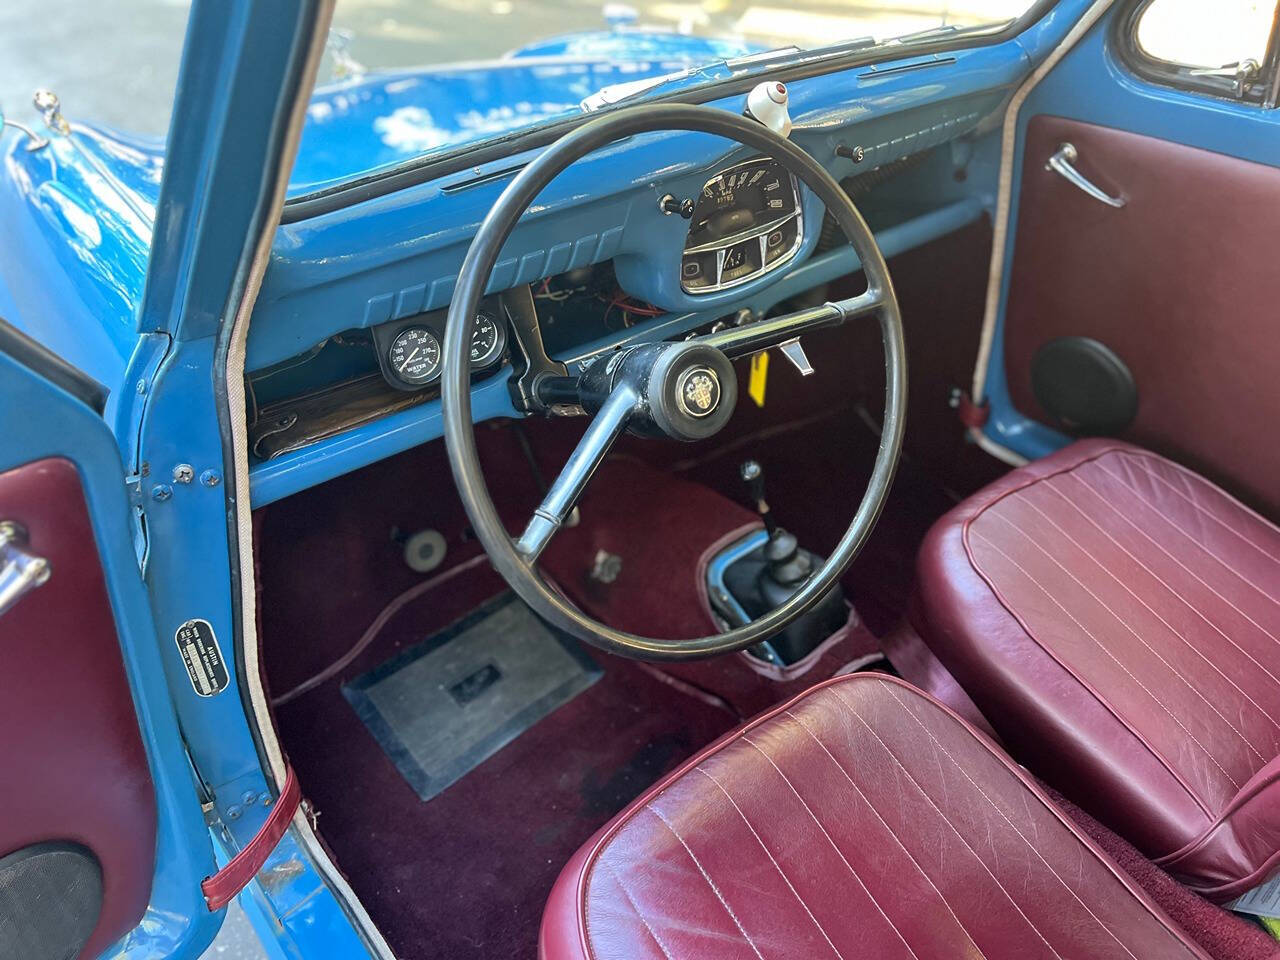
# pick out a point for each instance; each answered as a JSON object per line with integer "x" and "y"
{"x": 1272, "y": 926}
{"x": 759, "y": 376}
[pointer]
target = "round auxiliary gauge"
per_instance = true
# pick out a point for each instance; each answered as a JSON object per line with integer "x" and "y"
{"x": 486, "y": 340}
{"x": 415, "y": 356}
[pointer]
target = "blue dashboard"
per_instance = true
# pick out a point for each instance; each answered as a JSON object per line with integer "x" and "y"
{"x": 387, "y": 259}
{"x": 924, "y": 127}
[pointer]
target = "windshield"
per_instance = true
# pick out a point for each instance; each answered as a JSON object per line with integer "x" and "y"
{"x": 401, "y": 80}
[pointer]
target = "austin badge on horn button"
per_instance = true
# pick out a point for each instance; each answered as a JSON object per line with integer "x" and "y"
{"x": 698, "y": 391}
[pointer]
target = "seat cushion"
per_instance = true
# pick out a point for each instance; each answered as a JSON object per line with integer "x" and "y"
{"x": 1116, "y": 617}
{"x": 862, "y": 819}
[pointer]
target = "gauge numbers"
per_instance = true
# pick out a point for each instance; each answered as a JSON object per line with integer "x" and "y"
{"x": 486, "y": 340}
{"x": 415, "y": 356}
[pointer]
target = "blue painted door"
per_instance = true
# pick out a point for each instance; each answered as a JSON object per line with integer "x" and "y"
{"x": 1175, "y": 277}
{"x": 94, "y": 778}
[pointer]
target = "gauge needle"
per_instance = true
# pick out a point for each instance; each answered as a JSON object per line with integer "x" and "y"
{"x": 409, "y": 359}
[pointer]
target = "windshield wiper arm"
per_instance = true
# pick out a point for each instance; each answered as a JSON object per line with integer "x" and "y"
{"x": 631, "y": 89}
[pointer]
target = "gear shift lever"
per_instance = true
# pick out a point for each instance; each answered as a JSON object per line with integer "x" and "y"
{"x": 788, "y": 567}
{"x": 771, "y": 574}
{"x": 753, "y": 476}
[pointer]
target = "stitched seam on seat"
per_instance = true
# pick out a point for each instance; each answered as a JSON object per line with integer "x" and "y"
{"x": 1195, "y": 575}
{"x": 1164, "y": 583}
{"x": 1177, "y": 633}
{"x": 707, "y": 877}
{"x": 1169, "y": 521}
{"x": 777, "y": 866}
{"x": 872, "y": 807}
{"x": 1187, "y": 683}
{"x": 630, "y": 900}
{"x": 1208, "y": 513}
{"x": 954, "y": 829}
{"x": 839, "y": 852}
{"x": 1103, "y": 648}
{"x": 964, "y": 773}
{"x": 965, "y": 535}
{"x": 627, "y": 817}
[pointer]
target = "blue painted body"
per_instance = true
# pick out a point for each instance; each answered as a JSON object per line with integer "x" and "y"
{"x": 384, "y": 119}
{"x": 123, "y": 257}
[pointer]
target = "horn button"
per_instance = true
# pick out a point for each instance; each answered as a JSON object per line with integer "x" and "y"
{"x": 688, "y": 391}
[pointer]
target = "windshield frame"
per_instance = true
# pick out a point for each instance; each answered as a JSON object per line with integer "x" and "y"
{"x": 803, "y": 65}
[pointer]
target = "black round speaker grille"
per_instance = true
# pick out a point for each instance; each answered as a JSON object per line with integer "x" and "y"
{"x": 50, "y": 899}
{"x": 1084, "y": 386}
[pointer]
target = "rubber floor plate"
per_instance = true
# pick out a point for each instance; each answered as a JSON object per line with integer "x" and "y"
{"x": 444, "y": 706}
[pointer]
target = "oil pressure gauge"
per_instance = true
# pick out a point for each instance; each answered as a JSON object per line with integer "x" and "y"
{"x": 414, "y": 356}
{"x": 487, "y": 340}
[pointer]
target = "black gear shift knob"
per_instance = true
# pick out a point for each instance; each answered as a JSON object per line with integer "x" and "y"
{"x": 753, "y": 476}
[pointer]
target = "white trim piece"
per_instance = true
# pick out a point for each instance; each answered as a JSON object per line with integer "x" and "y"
{"x": 1000, "y": 235}
{"x": 301, "y": 825}
{"x": 997, "y": 450}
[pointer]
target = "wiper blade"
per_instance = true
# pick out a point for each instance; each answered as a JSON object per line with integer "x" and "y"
{"x": 618, "y": 92}
{"x": 631, "y": 89}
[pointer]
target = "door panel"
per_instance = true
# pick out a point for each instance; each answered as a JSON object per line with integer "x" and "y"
{"x": 90, "y": 755}
{"x": 74, "y": 767}
{"x": 1180, "y": 283}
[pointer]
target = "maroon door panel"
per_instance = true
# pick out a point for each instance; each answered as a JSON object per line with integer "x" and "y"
{"x": 1182, "y": 283}
{"x": 72, "y": 764}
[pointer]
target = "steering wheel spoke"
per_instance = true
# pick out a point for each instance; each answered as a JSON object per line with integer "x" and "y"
{"x": 590, "y": 452}
{"x": 760, "y": 335}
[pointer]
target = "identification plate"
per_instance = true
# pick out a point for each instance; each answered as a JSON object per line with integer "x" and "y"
{"x": 203, "y": 657}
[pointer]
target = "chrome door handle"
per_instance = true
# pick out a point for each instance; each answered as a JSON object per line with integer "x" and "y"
{"x": 1061, "y": 164}
{"x": 20, "y": 570}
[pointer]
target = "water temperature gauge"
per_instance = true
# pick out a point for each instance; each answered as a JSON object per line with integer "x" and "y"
{"x": 411, "y": 352}
{"x": 415, "y": 356}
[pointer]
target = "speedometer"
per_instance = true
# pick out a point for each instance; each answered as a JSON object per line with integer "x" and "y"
{"x": 747, "y": 220}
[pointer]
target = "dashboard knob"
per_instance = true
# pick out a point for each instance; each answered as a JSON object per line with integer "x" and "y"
{"x": 767, "y": 103}
{"x": 669, "y": 205}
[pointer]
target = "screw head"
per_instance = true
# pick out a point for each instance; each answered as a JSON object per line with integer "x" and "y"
{"x": 183, "y": 473}
{"x": 233, "y": 812}
{"x": 161, "y": 492}
{"x": 210, "y": 478}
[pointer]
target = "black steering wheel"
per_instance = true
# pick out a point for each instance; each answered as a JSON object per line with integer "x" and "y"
{"x": 683, "y": 389}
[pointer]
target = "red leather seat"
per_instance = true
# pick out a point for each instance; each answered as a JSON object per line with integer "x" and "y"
{"x": 1117, "y": 619}
{"x": 862, "y": 819}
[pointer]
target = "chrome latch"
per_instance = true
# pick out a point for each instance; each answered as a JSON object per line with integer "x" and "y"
{"x": 1062, "y": 163}
{"x": 20, "y": 570}
{"x": 1242, "y": 75}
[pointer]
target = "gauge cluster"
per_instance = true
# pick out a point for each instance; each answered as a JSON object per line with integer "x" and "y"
{"x": 746, "y": 221}
{"x": 410, "y": 351}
